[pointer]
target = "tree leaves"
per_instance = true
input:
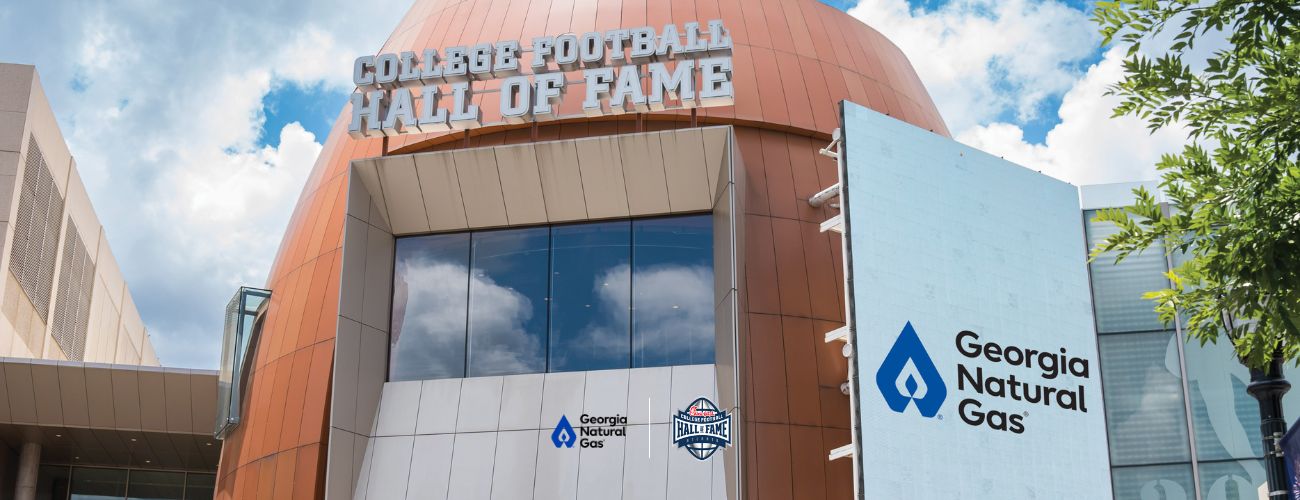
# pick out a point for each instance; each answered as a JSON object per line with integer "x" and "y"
{"x": 1232, "y": 218}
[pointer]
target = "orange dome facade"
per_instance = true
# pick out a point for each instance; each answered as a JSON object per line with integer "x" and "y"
{"x": 794, "y": 61}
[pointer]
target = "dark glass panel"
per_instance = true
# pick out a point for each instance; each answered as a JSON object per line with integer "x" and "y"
{"x": 590, "y": 296}
{"x": 507, "y": 304}
{"x": 51, "y": 482}
{"x": 430, "y": 296}
{"x": 200, "y": 486}
{"x": 98, "y": 484}
{"x": 156, "y": 485}
{"x": 672, "y": 291}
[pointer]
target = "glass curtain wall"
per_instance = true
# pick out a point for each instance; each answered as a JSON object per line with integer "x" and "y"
{"x": 572, "y": 297}
{"x": 1174, "y": 412}
{"x": 60, "y": 482}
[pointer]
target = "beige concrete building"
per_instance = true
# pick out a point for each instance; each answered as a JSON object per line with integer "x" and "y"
{"x": 64, "y": 297}
{"x": 85, "y": 408}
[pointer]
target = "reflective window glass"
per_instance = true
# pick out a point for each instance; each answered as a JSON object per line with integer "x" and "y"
{"x": 507, "y": 301}
{"x": 1160, "y": 482}
{"x": 430, "y": 297}
{"x": 590, "y": 296}
{"x": 591, "y": 287}
{"x": 200, "y": 486}
{"x": 156, "y": 485}
{"x": 1232, "y": 480}
{"x": 98, "y": 484}
{"x": 1117, "y": 288}
{"x": 672, "y": 291}
{"x": 52, "y": 482}
{"x": 1224, "y": 416}
{"x": 1142, "y": 388}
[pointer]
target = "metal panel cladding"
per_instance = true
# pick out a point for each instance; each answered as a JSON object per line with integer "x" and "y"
{"x": 976, "y": 360}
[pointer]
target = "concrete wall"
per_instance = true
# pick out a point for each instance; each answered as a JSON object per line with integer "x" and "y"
{"x": 115, "y": 333}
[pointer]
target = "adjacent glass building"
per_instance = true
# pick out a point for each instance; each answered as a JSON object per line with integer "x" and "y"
{"x": 1180, "y": 421}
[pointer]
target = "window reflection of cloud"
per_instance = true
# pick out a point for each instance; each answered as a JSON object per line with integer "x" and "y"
{"x": 674, "y": 312}
{"x": 501, "y": 342}
{"x": 429, "y": 324}
{"x": 605, "y": 336}
{"x": 431, "y": 301}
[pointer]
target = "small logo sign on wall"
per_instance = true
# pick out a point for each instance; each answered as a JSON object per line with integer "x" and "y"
{"x": 564, "y": 437}
{"x": 908, "y": 375}
{"x": 702, "y": 428}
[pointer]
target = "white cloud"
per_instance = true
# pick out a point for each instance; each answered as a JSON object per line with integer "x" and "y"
{"x": 1087, "y": 146}
{"x": 161, "y": 104}
{"x": 990, "y": 65}
{"x": 982, "y": 59}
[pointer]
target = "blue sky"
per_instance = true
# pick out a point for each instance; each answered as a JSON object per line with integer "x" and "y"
{"x": 315, "y": 107}
{"x": 195, "y": 124}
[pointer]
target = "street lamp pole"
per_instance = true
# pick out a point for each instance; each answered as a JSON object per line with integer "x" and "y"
{"x": 1267, "y": 385}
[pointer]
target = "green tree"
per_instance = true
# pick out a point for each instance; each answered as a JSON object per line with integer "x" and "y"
{"x": 1235, "y": 186}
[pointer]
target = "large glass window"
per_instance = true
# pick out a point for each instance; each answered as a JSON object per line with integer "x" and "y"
{"x": 591, "y": 299}
{"x": 1232, "y": 480}
{"x": 60, "y": 482}
{"x": 430, "y": 300}
{"x": 1224, "y": 416}
{"x": 571, "y": 297}
{"x": 672, "y": 292}
{"x": 156, "y": 485}
{"x": 1118, "y": 288}
{"x": 1171, "y": 482}
{"x": 507, "y": 302}
{"x": 52, "y": 482}
{"x": 1142, "y": 387}
{"x": 98, "y": 484}
{"x": 200, "y": 486}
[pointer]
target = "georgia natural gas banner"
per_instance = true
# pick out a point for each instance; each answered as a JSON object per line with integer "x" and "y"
{"x": 977, "y": 372}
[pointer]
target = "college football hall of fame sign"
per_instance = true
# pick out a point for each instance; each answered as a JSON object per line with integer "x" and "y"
{"x": 702, "y": 428}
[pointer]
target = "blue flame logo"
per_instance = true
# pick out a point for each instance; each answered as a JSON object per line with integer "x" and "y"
{"x": 564, "y": 437}
{"x": 908, "y": 375}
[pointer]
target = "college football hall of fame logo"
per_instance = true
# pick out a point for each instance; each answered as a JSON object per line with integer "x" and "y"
{"x": 702, "y": 428}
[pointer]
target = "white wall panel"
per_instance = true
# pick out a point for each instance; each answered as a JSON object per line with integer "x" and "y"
{"x": 521, "y": 402}
{"x": 649, "y": 395}
{"x": 471, "y": 466}
{"x": 601, "y": 469}
{"x": 439, "y": 402}
{"x": 338, "y": 484}
{"x": 431, "y": 466}
{"x": 390, "y": 467}
{"x": 480, "y": 404}
{"x": 397, "y": 411}
{"x": 490, "y": 438}
{"x": 646, "y": 462}
{"x": 606, "y": 393}
{"x": 562, "y": 395}
{"x": 515, "y": 464}
{"x": 557, "y": 470}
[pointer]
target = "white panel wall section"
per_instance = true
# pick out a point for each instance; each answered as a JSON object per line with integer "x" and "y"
{"x": 467, "y": 441}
